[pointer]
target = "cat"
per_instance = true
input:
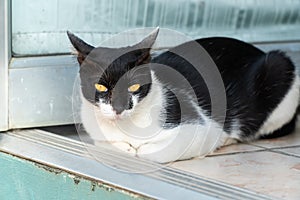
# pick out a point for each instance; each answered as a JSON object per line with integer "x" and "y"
{"x": 132, "y": 102}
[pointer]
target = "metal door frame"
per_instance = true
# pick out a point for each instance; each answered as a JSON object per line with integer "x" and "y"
{"x": 5, "y": 56}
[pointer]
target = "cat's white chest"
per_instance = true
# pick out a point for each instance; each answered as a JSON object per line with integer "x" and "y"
{"x": 96, "y": 126}
{"x": 156, "y": 143}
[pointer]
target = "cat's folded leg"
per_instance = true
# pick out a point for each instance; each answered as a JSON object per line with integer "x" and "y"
{"x": 164, "y": 152}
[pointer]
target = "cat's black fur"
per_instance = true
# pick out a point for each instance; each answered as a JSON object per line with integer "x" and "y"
{"x": 255, "y": 82}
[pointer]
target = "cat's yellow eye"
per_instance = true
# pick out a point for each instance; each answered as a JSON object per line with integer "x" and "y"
{"x": 100, "y": 88}
{"x": 134, "y": 88}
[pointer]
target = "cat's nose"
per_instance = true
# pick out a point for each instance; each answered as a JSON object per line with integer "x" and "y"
{"x": 118, "y": 103}
{"x": 118, "y": 109}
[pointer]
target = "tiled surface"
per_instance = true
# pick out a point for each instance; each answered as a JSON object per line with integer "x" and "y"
{"x": 268, "y": 173}
{"x": 295, "y": 151}
{"x": 286, "y": 141}
{"x": 290, "y": 140}
{"x": 270, "y": 167}
{"x": 236, "y": 148}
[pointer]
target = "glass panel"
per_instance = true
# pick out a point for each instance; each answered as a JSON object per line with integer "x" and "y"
{"x": 39, "y": 27}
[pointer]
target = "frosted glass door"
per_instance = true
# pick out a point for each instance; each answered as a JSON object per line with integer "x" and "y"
{"x": 39, "y": 27}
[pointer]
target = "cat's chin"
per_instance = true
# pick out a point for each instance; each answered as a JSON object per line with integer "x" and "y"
{"x": 114, "y": 117}
{"x": 107, "y": 113}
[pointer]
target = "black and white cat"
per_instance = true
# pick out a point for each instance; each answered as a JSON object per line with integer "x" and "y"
{"x": 131, "y": 101}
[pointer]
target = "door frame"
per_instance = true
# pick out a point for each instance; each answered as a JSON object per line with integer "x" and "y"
{"x": 5, "y": 56}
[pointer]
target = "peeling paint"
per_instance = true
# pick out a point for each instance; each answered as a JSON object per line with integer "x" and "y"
{"x": 106, "y": 187}
{"x": 76, "y": 180}
{"x": 93, "y": 185}
{"x": 49, "y": 169}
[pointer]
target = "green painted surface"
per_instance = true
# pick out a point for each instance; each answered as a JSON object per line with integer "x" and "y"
{"x": 21, "y": 180}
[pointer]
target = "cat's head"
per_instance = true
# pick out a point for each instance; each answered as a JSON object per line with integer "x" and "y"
{"x": 115, "y": 79}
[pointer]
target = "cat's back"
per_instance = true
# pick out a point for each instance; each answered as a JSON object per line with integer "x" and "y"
{"x": 236, "y": 62}
{"x": 255, "y": 82}
{"x": 227, "y": 53}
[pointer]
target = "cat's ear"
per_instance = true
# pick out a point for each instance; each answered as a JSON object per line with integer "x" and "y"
{"x": 145, "y": 46}
{"x": 149, "y": 40}
{"x": 82, "y": 48}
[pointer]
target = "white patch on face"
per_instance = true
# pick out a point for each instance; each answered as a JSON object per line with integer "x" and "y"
{"x": 108, "y": 112}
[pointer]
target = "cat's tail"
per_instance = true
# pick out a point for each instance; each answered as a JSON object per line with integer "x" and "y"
{"x": 279, "y": 80}
{"x": 298, "y": 114}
